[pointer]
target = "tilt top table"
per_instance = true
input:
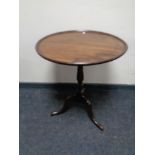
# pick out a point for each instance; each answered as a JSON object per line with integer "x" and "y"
{"x": 80, "y": 48}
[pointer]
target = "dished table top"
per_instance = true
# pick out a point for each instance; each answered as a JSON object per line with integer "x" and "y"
{"x": 81, "y": 47}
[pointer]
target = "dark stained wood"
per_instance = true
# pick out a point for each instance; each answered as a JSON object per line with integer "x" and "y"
{"x": 81, "y": 47}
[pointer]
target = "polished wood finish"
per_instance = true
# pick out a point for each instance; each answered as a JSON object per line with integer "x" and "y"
{"x": 81, "y": 47}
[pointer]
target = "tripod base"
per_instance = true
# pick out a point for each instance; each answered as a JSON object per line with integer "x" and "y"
{"x": 86, "y": 102}
{"x": 79, "y": 96}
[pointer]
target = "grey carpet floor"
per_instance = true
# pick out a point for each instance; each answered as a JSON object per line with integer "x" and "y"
{"x": 72, "y": 133}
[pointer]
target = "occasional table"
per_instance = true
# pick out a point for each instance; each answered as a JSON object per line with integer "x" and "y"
{"x": 80, "y": 48}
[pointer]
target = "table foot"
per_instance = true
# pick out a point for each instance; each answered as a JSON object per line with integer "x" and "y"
{"x": 64, "y": 108}
{"x": 90, "y": 113}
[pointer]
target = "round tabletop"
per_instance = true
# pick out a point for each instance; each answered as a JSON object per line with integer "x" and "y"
{"x": 81, "y": 47}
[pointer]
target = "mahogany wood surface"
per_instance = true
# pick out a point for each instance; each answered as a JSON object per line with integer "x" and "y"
{"x": 81, "y": 47}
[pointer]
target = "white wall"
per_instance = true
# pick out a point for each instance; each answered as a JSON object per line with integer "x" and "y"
{"x": 42, "y": 17}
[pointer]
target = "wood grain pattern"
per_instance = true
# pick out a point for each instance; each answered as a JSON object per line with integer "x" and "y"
{"x": 81, "y": 47}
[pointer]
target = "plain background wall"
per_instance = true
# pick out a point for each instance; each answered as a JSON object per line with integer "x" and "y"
{"x": 39, "y": 18}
